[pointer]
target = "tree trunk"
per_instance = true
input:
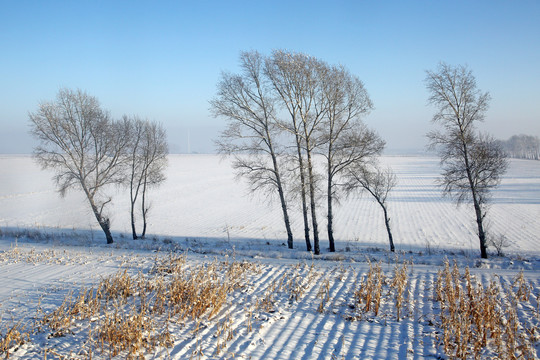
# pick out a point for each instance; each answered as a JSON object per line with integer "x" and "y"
{"x": 387, "y": 223}
{"x": 105, "y": 226}
{"x": 103, "y": 223}
{"x": 133, "y": 230}
{"x": 286, "y": 219}
{"x": 330, "y": 215}
{"x": 481, "y": 232}
{"x": 144, "y": 209}
{"x": 330, "y": 224}
{"x": 478, "y": 212}
{"x": 283, "y": 202}
{"x": 477, "y": 208}
{"x": 316, "y": 249}
{"x": 303, "y": 192}
{"x": 132, "y": 195}
{"x": 143, "y": 234}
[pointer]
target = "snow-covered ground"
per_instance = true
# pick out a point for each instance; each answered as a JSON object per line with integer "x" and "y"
{"x": 202, "y": 200}
{"x": 51, "y": 246}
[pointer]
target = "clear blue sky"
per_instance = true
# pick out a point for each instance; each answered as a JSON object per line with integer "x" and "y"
{"x": 162, "y": 60}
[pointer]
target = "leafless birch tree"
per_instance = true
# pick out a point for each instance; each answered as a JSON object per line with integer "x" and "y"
{"x": 83, "y": 146}
{"x": 472, "y": 164}
{"x": 347, "y": 141}
{"x": 295, "y": 78}
{"x": 147, "y": 159}
{"x": 252, "y": 131}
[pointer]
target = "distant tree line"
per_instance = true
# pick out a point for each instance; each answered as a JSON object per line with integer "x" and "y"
{"x": 522, "y": 147}
{"x": 90, "y": 152}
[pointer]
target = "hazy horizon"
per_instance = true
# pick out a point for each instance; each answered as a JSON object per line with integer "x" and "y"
{"x": 162, "y": 61}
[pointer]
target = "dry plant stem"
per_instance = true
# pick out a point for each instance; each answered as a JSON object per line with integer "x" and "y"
{"x": 12, "y": 337}
{"x": 368, "y": 296}
{"x": 399, "y": 283}
{"x": 524, "y": 288}
{"x": 323, "y": 294}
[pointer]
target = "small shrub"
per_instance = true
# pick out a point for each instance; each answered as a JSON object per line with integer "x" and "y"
{"x": 167, "y": 241}
{"x": 499, "y": 242}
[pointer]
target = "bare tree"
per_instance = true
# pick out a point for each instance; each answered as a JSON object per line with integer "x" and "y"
{"x": 252, "y": 131}
{"x": 378, "y": 183}
{"x": 295, "y": 78}
{"x": 147, "y": 158}
{"x": 499, "y": 242}
{"x": 347, "y": 140}
{"x": 82, "y": 145}
{"x": 472, "y": 164}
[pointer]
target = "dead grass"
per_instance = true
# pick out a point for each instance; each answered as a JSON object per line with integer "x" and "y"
{"x": 12, "y": 337}
{"x": 15, "y": 254}
{"x": 323, "y": 294}
{"x": 400, "y": 285}
{"x": 132, "y": 331}
{"x": 117, "y": 285}
{"x": 477, "y": 321}
{"x": 129, "y": 315}
{"x": 296, "y": 281}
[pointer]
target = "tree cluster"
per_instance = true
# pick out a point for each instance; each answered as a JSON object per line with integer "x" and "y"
{"x": 288, "y": 114}
{"x": 522, "y": 147}
{"x": 287, "y": 110}
{"x": 90, "y": 151}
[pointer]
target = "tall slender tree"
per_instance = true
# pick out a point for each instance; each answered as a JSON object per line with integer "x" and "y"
{"x": 294, "y": 77}
{"x": 147, "y": 159}
{"x": 251, "y": 134}
{"x": 472, "y": 164}
{"x": 347, "y": 140}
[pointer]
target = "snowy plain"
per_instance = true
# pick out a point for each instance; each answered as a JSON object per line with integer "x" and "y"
{"x": 51, "y": 246}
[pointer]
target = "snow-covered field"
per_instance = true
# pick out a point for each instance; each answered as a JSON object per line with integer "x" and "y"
{"x": 291, "y": 305}
{"x": 202, "y": 200}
